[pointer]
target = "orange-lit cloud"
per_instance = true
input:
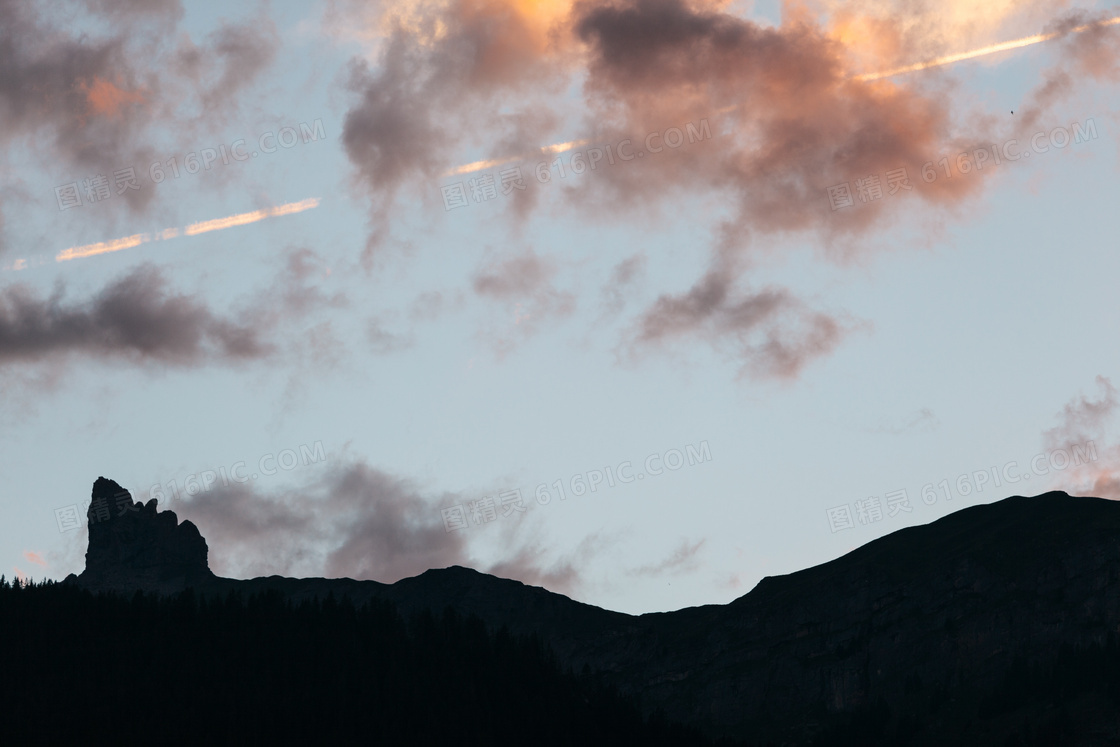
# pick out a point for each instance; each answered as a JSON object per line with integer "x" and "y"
{"x": 194, "y": 229}
{"x": 34, "y": 557}
{"x": 884, "y": 34}
{"x": 810, "y": 103}
{"x": 106, "y": 99}
{"x": 859, "y": 34}
{"x": 991, "y": 49}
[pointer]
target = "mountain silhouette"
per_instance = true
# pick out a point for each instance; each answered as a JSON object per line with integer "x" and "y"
{"x": 997, "y": 624}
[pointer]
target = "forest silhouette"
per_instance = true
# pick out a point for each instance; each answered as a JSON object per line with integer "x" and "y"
{"x": 193, "y": 669}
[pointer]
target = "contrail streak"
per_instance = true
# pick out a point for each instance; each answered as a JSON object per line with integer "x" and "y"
{"x": 218, "y": 224}
{"x": 104, "y": 247}
{"x": 1001, "y": 47}
{"x": 479, "y": 165}
{"x": 947, "y": 60}
{"x": 245, "y": 218}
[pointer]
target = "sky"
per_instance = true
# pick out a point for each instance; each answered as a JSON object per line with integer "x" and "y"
{"x": 640, "y": 301}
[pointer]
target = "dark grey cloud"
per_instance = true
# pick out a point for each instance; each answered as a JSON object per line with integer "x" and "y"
{"x": 124, "y": 11}
{"x": 139, "y": 319}
{"x": 353, "y": 521}
{"x": 135, "y": 318}
{"x": 350, "y": 520}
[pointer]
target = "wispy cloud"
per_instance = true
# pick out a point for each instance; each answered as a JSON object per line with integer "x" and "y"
{"x": 88, "y": 96}
{"x": 1083, "y": 420}
{"x": 524, "y": 285}
{"x": 684, "y": 558}
{"x": 770, "y": 333}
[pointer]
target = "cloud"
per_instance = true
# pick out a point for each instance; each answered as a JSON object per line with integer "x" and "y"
{"x": 350, "y": 520}
{"x": 624, "y": 277}
{"x": 529, "y": 565}
{"x": 382, "y": 341}
{"x": 921, "y": 421}
{"x": 442, "y": 69}
{"x": 526, "y": 282}
{"x": 128, "y": 10}
{"x": 1091, "y": 55}
{"x": 295, "y": 291}
{"x": 90, "y": 101}
{"x": 461, "y": 76}
{"x": 81, "y": 94}
{"x": 134, "y": 318}
{"x": 33, "y": 557}
{"x": 356, "y": 521}
{"x": 1083, "y": 420}
{"x": 886, "y": 33}
{"x": 460, "y": 73}
{"x": 430, "y": 305}
{"x": 769, "y": 332}
{"x": 801, "y": 123}
{"x": 231, "y": 59}
{"x": 137, "y": 319}
{"x": 684, "y": 558}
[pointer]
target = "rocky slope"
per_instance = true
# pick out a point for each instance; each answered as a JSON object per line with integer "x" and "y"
{"x": 133, "y": 546}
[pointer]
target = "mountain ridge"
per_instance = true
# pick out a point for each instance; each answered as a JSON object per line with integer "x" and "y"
{"x": 893, "y": 624}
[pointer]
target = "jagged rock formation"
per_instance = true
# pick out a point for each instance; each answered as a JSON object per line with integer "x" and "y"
{"x": 134, "y": 546}
{"x": 923, "y": 622}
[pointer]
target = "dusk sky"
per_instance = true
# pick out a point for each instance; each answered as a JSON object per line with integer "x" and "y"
{"x": 363, "y": 289}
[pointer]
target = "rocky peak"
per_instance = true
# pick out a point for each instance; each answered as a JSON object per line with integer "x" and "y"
{"x": 132, "y": 545}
